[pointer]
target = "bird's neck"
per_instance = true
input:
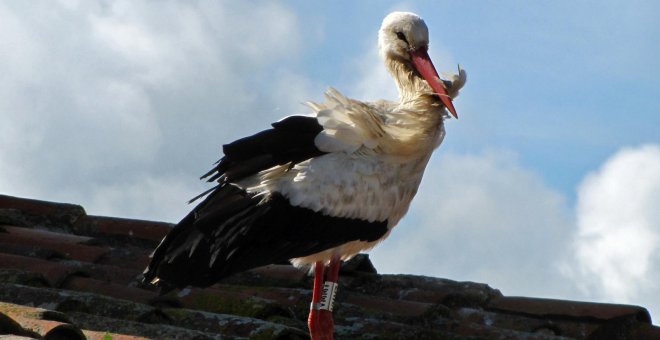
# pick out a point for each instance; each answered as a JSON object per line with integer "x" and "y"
{"x": 411, "y": 86}
{"x": 417, "y": 100}
{"x": 420, "y": 111}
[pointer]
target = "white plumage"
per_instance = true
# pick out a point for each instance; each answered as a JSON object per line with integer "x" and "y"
{"x": 377, "y": 155}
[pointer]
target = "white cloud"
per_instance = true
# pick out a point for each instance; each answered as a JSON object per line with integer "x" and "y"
{"x": 162, "y": 198}
{"x": 483, "y": 218}
{"x": 127, "y": 96}
{"x": 486, "y": 218}
{"x": 616, "y": 251}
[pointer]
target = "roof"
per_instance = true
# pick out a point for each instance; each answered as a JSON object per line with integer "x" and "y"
{"x": 67, "y": 274}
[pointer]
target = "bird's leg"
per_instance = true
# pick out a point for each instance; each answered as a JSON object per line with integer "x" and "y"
{"x": 314, "y": 311}
{"x": 320, "y": 322}
{"x": 328, "y": 299}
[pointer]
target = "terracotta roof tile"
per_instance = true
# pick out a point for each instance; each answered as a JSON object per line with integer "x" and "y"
{"x": 9, "y": 325}
{"x": 134, "y": 260}
{"x": 644, "y": 331}
{"x": 382, "y": 305}
{"x": 272, "y": 275}
{"x": 111, "y": 273}
{"x": 65, "y": 245}
{"x": 64, "y": 272}
{"x": 572, "y": 309}
{"x": 85, "y": 284}
{"x": 238, "y": 300}
{"x": 53, "y": 272}
{"x": 40, "y": 322}
{"x": 26, "y": 212}
{"x": 102, "y": 327}
{"x": 100, "y": 335}
{"x": 140, "y": 229}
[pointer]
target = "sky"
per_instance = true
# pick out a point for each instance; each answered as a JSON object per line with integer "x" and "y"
{"x": 548, "y": 185}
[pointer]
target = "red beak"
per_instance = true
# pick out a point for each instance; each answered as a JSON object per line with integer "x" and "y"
{"x": 422, "y": 62}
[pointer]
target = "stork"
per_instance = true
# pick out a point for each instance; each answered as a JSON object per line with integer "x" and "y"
{"x": 320, "y": 188}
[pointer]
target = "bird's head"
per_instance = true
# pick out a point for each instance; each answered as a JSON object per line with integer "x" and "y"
{"x": 400, "y": 33}
{"x": 403, "y": 36}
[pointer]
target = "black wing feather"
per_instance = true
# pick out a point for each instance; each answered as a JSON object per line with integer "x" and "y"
{"x": 290, "y": 140}
{"x": 248, "y": 232}
{"x": 232, "y": 231}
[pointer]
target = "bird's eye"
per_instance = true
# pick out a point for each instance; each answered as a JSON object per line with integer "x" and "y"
{"x": 401, "y": 36}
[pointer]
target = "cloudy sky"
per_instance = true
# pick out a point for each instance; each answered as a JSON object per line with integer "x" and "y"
{"x": 548, "y": 185}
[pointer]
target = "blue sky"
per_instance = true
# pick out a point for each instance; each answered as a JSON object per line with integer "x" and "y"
{"x": 546, "y": 186}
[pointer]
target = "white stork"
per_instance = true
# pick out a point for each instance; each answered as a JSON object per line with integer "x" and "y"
{"x": 317, "y": 189}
